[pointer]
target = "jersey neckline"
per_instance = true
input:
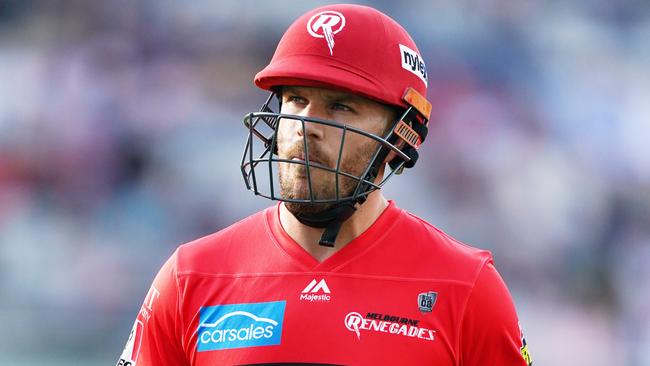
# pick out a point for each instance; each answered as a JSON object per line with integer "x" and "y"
{"x": 368, "y": 239}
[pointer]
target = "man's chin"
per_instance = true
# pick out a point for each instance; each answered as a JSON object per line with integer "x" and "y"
{"x": 302, "y": 209}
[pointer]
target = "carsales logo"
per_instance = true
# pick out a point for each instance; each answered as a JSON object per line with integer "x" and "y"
{"x": 383, "y": 323}
{"x": 240, "y": 325}
{"x": 325, "y": 25}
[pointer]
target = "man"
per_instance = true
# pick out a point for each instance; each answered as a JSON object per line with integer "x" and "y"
{"x": 335, "y": 273}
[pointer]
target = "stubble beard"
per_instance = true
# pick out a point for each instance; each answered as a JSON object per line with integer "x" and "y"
{"x": 323, "y": 183}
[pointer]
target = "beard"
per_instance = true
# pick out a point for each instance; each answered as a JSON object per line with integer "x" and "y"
{"x": 294, "y": 183}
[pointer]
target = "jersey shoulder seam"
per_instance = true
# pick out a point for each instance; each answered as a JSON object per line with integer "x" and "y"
{"x": 444, "y": 234}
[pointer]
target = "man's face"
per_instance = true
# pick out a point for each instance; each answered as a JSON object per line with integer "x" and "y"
{"x": 324, "y": 143}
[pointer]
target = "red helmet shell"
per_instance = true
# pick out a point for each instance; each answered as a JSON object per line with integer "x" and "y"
{"x": 353, "y": 48}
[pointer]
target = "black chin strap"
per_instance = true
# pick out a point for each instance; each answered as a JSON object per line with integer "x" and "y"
{"x": 331, "y": 220}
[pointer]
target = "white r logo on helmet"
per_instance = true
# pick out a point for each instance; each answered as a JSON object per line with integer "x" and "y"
{"x": 325, "y": 25}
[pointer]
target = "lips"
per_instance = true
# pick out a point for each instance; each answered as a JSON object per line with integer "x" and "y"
{"x": 312, "y": 161}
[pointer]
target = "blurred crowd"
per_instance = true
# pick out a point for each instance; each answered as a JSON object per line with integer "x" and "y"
{"x": 121, "y": 134}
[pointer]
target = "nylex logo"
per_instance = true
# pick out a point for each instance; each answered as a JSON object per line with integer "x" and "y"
{"x": 383, "y": 323}
{"x": 316, "y": 291}
{"x": 413, "y": 62}
{"x": 240, "y": 325}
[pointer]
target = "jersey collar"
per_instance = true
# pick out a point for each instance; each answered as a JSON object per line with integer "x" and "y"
{"x": 370, "y": 238}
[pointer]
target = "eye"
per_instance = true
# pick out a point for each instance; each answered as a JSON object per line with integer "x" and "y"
{"x": 295, "y": 99}
{"x": 341, "y": 107}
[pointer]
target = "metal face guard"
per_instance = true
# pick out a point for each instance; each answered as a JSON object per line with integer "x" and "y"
{"x": 261, "y": 151}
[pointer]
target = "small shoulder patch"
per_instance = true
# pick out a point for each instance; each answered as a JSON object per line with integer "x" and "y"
{"x": 524, "y": 349}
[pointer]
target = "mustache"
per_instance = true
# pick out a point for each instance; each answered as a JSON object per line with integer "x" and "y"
{"x": 316, "y": 155}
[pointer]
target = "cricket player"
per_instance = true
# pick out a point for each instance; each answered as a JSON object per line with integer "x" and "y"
{"x": 334, "y": 273}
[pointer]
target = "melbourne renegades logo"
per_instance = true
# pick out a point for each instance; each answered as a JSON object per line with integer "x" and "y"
{"x": 325, "y": 25}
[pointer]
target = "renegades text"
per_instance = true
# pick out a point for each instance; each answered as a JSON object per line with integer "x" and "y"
{"x": 384, "y": 323}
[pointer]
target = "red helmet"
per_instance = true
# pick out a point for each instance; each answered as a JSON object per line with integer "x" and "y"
{"x": 353, "y": 48}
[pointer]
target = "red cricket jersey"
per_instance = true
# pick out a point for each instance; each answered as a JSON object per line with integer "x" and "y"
{"x": 402, "y": 293}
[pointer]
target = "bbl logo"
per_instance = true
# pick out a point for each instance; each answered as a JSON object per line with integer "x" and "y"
{"x": 426, "y": 300}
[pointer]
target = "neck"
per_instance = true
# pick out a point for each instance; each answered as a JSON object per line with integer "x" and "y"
{"x": 308, "y": 237}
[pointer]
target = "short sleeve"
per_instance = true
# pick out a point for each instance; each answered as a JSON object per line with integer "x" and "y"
{"x": 155, "y": 337}
{"x": 490, "y": 331}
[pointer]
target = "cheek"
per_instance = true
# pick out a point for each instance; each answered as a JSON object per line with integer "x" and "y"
{"x": 354, "y": 153}
{"x": 283, "y": 135}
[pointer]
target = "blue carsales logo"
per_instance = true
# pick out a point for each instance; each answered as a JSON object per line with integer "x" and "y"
{"x": 240, "y": 325}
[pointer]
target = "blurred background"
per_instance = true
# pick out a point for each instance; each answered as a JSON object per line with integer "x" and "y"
{"x": 121, "y": 135}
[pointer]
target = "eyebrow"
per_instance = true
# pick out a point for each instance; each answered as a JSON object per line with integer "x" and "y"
{"x": 331, "y": 96}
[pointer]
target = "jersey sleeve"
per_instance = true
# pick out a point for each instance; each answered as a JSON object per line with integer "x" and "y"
{"x": 155, "y": 337}
{"x": 490, "y": 331}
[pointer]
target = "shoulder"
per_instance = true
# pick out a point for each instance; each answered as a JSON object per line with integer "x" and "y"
{"x": 436, "y": 253}
{"x": 224, "y": 247}
{"x": 441, "y": 240}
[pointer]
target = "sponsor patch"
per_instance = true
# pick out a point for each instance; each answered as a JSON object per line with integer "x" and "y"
{"x": 316, "y": 291}
{"x": 325, "y": 25}
{"x": 240, "y": 325}
{"x": 413, "y": 62}
{"x": 384, "y": 323}
{"x": 131, "y": 350}
{"x": 524, "y": 349}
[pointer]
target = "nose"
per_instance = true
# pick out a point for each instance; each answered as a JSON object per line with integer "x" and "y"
{"x": 312, "y": 130}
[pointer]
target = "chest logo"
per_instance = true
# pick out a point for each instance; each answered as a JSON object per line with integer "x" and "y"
{"x": 316, "y": 291}
{"x": 240, "y": 325}
{"x": 384, "y": 323}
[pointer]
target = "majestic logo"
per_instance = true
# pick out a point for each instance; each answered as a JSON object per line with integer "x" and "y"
{"x": 316, "y": 291}
{"x": 413, "y": 62}
{"x": 384, "y": 323}
{"x": 426, "y": 300}
{"x": 240, "y": 325}
{"x": 325, "y": 25}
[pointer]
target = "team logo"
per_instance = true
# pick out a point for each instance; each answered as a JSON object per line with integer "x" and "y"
{"x": 383, "y": 323}
{"x": 427, "y": 300}
{"x": 240, "y": 325}
{"x": 316, "y": 291}
{"x": 325, "y": 25}
{"x": 413, "y": 62}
